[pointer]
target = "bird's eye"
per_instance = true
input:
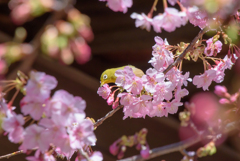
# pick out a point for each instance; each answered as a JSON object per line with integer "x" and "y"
{"x": 105, "y": 76}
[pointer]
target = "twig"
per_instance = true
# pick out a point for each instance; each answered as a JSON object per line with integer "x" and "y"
{"x": 188, "y": 48}
{"x": 109, "y": 114}
{"x": 12, "y": 154}
{"x": 179, "y": 146}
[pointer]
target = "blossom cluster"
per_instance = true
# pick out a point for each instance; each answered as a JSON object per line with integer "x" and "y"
{"x": 139, "y": 140}
{"x": 154, "y": 94}
{"x": 67, "y": 40}
{"x": 199, "y": 13}
{"x": 50, "y": 125}
{"x": 158, "y": 93}
{"x": 214, "y": 72}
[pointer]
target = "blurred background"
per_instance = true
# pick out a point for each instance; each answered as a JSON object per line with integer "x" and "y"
{"x": 114, "y": 41}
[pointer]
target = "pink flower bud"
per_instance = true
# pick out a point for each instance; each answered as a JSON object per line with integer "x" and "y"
{"x": 145, "y": 152}
{"x": 234, "y": 97}
{"x": 115, "y": 104}
{"x": 114, "y": 148}
{"x": 110, "y": 99}
{"x": 224, "y": 101}
{"x": 220, "y": 90}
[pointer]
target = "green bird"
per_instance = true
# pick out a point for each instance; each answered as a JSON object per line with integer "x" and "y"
{"x": 108, "y": 76}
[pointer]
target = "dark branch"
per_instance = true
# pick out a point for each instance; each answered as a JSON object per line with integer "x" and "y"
{"x": 189, "y": 48}
{"x": 109, "y": 114}
{"x": 12, "y": 154}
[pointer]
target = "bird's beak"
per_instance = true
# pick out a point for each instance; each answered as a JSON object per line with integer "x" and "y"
{"x": 102, "y": 83}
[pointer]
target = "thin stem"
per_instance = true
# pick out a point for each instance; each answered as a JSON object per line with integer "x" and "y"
{"x": 109, "y": 114}
{"x": 152, "y": 9}
{"x": 12, "y": 154}
{"x": 14, "y": 96}
{"x": 179, "y": 146}
{"x": 188, "y": 48}
{"x": 9, "y": 89}
{"x": 165, "y": 4}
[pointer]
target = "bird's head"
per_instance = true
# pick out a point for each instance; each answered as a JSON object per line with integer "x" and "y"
{"x": 108, "y": 76}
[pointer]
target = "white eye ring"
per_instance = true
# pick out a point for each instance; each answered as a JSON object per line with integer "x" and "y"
{"x": 105, "y": 76}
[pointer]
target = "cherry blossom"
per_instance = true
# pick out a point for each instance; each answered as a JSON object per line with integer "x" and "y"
{"x": 33, "y": 107}
{"x": 172, "y": 19}
{"x": 205, "y": 79}
{"x": 119, "y": 5}
{"x": 34, "y": 138}
{"x": 40, "y": 85}
{"x": 81, "y": 134}
{"x": 66, "y": 105}
{"x": 13, "y": 124}
{"x": 142, "y": 21}
{"x": 197, "y": 17}
{"x": 104, "y": 91}
{"x": 213, "y": 47}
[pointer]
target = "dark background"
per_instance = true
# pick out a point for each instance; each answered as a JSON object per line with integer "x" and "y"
{"x": 117, "y": 42}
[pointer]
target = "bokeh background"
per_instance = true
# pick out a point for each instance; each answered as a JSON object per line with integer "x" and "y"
{"x": 116, "y": 43}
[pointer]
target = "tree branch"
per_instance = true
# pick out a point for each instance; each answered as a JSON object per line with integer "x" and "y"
{"x": 11, "y": 154}
{"x": 180, "y": 145}
{"x": 188, "y": 48}
{"x": 109, "y": 114}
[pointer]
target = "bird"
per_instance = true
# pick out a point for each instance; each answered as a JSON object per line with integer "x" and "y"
{"x": 108, "y": 76}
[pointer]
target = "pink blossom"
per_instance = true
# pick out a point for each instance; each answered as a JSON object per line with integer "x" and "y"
{"x": 34, "y": 138}
{"x": 141, "y": 106}
{"x": 66, "y": 150}
{"x": 172, "y": 2}
{"x": 150, "y": 80}
{"x": 40, "y": 85}
{"x": 13, "y": 125}
{"x": 174, "y": 76}
{"x": 205, "y": 79}
{"x": 142, "y": 21}
{"x": 220, "y": 90}
{"x": 34, "y": 108}
{"x": 104, "y": 91}
{"x": 67, "y": 105}
{"x": 119, "y": 5}
{"x": 124, "y": 76}
{"x": 54, "y": 129}
{"x": 197, "y": 17}
{"x": 172, "y": 19}
{"x": 4, "y": 106}
{"x": 163, "y": 91}
{"x": 157, "y": 23}
{"x": 161, "y": 56}
{"x": 158, "y": 110}
{"x": 185, "y": 79}
{"x": 179, "y": 93}
{"x": 134, "y": 86}
{"x": 172, "y": 107}
{"x": 126, "y": 99}
{"x": 213, "y": 47}
{"x": 81, "y": 134}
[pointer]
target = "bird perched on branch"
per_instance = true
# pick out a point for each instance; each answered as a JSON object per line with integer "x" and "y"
{"x": 108, "y": 76}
